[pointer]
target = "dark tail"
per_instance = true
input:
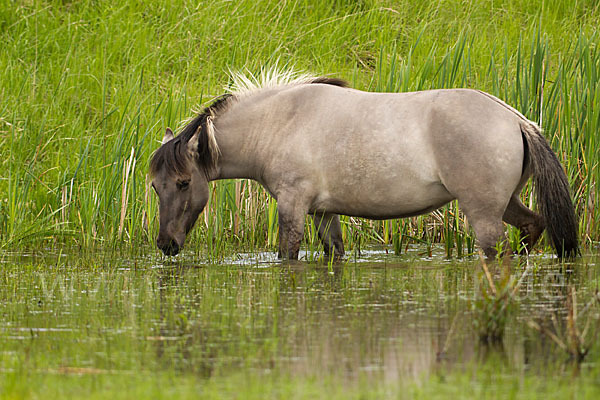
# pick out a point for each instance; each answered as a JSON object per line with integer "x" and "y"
{"x": 553, "y": 192}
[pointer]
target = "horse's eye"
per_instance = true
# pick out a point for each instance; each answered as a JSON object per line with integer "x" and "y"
{"x": 182, "y": 185}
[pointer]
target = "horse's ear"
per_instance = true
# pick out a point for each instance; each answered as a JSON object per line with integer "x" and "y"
{"x": 168, "y": 136}
{"x": 192, "y": 144}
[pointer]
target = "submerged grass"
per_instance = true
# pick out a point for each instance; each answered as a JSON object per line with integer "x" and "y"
{"x": 87, "y": 88}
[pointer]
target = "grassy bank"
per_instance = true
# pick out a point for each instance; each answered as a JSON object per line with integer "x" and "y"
{"x": 87, "y": 88}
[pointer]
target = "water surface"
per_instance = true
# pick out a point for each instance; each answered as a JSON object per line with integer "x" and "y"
{"x": 377, "y": 317}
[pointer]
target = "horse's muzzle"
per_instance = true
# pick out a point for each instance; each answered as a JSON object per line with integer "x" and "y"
{"x": 169, "y": 247}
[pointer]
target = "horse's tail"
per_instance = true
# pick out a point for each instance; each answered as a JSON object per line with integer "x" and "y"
{"x": 553, "y": 192}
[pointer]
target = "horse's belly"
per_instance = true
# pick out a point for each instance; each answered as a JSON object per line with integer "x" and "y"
{"x": 384, "y": 202}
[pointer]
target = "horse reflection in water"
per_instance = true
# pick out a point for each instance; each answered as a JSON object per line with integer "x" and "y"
{"x": 321, "y": 148}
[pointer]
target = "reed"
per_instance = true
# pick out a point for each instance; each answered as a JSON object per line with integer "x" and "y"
{"x": 87, "y": 90}
{"x": 496, "y": 299}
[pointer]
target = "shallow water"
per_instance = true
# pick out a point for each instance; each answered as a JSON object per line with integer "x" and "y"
{"x": 380, "y": 316}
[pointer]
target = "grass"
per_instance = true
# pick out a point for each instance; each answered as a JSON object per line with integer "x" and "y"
{"x": 87, "y": 88}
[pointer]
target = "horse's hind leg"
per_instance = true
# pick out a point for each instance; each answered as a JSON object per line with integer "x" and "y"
{"x": 486, "y": 219}
{"x": 490, "y": 232}
{"x": 330, "y": 233}
{"x": 529, "y": 223}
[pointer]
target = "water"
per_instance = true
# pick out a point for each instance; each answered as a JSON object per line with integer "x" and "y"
{"x": 378, "y": 317}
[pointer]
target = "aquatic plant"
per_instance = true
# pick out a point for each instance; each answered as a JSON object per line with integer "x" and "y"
{"x": 572, "y": 335}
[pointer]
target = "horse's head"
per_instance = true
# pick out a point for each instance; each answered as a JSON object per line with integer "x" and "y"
{"x": 181, "y": 184}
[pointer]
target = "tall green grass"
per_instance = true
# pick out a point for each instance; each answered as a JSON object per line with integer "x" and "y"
{"x": 87, "y": 88}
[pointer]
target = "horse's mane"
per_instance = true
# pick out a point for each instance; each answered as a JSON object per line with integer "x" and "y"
{"x": 245, "y": 84}
{"x": 174, "y": 154}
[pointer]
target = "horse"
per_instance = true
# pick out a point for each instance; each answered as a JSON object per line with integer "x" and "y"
{"x": 322, "y": 148}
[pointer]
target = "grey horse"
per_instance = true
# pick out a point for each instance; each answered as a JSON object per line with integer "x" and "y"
{"x": 324, "y": 149}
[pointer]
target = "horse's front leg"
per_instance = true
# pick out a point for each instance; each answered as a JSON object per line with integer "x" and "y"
{"x": 291, "y": 228}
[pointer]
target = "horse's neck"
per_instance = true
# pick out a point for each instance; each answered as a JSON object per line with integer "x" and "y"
{"x": 240, "y": 156}
{"x": 246, "y": 144}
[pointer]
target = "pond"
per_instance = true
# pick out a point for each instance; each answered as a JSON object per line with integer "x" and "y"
{"x": 374, "y": 326}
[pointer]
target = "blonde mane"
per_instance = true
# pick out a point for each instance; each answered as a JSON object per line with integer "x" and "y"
{"x": 245, "y": 83}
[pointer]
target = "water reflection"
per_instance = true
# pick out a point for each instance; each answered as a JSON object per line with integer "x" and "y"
{"x": 390, "y": 317}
